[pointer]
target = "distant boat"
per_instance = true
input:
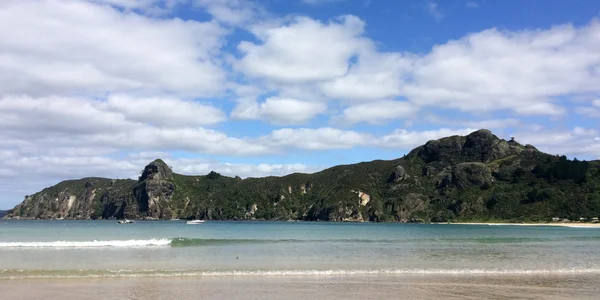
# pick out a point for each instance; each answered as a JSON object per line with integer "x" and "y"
{"x": 195, "y": 222}
{"x": 125, "y": 221}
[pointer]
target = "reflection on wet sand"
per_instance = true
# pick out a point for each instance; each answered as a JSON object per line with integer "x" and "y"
{"x": 326, "y": 287}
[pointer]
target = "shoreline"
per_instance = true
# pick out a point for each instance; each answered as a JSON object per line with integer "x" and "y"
{"x": 557, "y": 224}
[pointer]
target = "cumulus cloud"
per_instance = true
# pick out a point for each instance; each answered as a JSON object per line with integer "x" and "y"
{"x": 117, "y": 113}
{"x": 101, "y": 87}
{"x": 60, "y": 121}
{"x": 164, "y": 111}
{"x": 375, "y": 76}
{"x": 482, "y": 123}
{"x": 289, "y": 110}
{"x": 379, "y": 112}
{"x": 499, "y": 70}
{"x": 406, "y": 139}
{"x": 579, "y": 142}
{"x": 67, "y": 47}
{"x": 303, "y": 50}
{"x": 278, "y": 110}
{"x": 317, "y": 139}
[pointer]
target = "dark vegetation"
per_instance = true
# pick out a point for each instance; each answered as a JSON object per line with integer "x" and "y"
{"x": 478, "y": 177}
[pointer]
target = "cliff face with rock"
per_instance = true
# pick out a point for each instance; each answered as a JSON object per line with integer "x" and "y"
{"x": 474, "y": 177}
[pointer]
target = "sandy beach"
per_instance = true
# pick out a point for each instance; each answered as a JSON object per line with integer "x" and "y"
{"x": 557, "y": 224}
{"x": 351, "y": 287}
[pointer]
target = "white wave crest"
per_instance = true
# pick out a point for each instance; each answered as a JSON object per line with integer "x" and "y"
{"x": 88, "y": 244}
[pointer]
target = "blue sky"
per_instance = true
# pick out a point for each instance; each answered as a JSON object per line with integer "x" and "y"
{"x": 102, "y": 87}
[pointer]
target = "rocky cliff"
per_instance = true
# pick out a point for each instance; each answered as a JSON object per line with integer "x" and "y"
{"x": 474, "y": 177}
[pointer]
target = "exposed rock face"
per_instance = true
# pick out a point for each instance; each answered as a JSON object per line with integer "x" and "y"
{"x": 484, "y": 146}
{"x": 252, "y": 211}
{"x": 154, "y": 190}
{"x": 398, "y": 174}
{"x": 473, "y": 173}
{"x": 412, "y": 204}
{"x": 475, "y": 176}
{"x": 363, "y": 198}
{"x": 87, "y": 198}
{"x": 479, "y": 146}
{"x": 444, "y": 150}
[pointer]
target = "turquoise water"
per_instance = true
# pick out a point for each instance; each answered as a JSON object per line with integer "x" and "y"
{"x": 173, "y": 248}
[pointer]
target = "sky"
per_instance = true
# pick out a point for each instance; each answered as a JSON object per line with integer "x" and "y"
{"x": 103, "y": 87}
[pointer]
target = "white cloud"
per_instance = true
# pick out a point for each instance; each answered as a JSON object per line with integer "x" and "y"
{"x": 376, "y": 112}
{"x": 68, "y": 47}
{"x": 118, "y": 113}
{"x": 405, "y": 139}
{"x": 375, "y": 76}
{"x": 27, "y": 118}
{"x": 482, "y": 124}
{"x": 52, "y": 122}
{"x": 278, "y": 110}
{"x": 521, "y": 71}
{"x": 317, "y": 139}
{"x": 580, "y": 142}
{"x": 305, "y": 50}
{"x": 165, "y": 111}
{"x": 149, "y": 7}
{"x": 289, "y": 110}
{"x": 586, "y": 111}
{"x": 541, "y": 109}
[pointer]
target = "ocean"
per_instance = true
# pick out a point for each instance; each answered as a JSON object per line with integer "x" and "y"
{"x": 79, "y": 251}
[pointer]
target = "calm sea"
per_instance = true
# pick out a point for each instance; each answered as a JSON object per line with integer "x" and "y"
{"x": 73, "y": 249}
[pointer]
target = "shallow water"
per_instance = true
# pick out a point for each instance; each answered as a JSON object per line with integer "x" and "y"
{"x": 97, "y": 249}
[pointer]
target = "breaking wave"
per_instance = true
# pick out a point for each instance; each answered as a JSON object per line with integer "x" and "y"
{"x": 88, "y": 244}
{"x": 197, "y": 242}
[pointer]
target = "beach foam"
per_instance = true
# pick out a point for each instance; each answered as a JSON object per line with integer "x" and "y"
{"x": 88, "y": 244}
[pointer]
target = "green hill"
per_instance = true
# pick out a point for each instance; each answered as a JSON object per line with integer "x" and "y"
{"x": 478, "y": 177}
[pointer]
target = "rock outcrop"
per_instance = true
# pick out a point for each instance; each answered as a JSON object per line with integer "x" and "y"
{"x": 154, "y": 190}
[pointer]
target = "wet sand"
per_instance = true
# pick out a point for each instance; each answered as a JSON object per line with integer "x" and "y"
{"x": 291, "y": 288}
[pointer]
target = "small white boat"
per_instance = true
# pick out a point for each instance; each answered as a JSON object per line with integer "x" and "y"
{"x": 125, "y": 221}
{"x": 195, "y": 222}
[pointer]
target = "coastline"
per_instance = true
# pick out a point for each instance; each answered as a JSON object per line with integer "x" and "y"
{"x": 557, "y": 224}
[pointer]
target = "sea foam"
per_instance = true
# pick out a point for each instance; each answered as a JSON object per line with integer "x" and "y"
{"x": 88, "y": 244}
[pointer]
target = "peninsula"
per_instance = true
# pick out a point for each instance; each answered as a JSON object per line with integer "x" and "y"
{"x": 477, "y": 178}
